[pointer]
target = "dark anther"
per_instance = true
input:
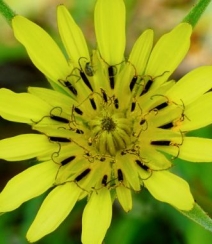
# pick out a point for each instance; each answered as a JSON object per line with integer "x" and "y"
{"x": 82, "y": 175}
{"x": 161, "y": 106}
{"x": 133, "y": 82}
{"x": 111, "y": 76}
{"x": 86, "y": 81}
{"x": 104, "y": 180}
{"x": 142, "y": 121}
{"x": 67, "y": 160}
{"x": 141, "y": 165}
{"x": 70, "y": 87}
{"x": 93, "y": 104}
{"x": 161, "y": 143}
{"x": 59, "y": 119}
{"x": 147, "y": 87}
{"x": 104, "y": 95}
{"x": 133, "y": 106}
{"x": 59, "y": 139}
{"x": 78, "y": 131}
{"x": 166, "y": 126}
{"x": 78, "y": 111}
{"x": 116, "y": 103}
{"x": 120, "y": 175}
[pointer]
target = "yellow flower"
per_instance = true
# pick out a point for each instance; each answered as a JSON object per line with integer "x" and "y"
{"x": 108, "y": 123}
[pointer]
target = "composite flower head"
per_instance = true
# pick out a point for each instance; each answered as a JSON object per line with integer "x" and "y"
{"x": 107, "y": 124}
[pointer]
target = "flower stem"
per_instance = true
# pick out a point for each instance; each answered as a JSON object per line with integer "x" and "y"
{"x": 196, "y": 12}
{"x": 6, "y": 11}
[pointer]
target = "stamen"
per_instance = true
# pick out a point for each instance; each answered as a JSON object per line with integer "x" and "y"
{"x": 166, "y": 126}
{"x": 86, "y": 81}
{"x": 69, "y": 86}
{"x": 147, "y": 87}
{"x": 82, "y": 175}
{"x": 141, "y": 165}
{"x": 111, "y": 76}
{"x": 59, "y": 139}
{"x": 133, "y": 104}
{"x": 160, "y": 143}
{"x": 120, "y": 175}
{"x": 67, "y": 160}
{"x": 116, "y": 103}
{"x": 93, "y": 104}
{"x": 104, "y": 180}
{"x": 78, "y": 111}
{"x": 59, "y": 119}
{"x": 133, "y": 82}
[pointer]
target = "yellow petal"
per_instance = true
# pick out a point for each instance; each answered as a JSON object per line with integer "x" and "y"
{"x": 53, "y": 98}
{"x": 196, "y": 149}
{"x": 25, "y": 146}
{"x": 72, "y": 37}
{"x": 96, "y": 217}
{"x": 43, "y": 51}
{"x": 25, "y": 185}
{"x": 191, "y": 86}
{"x": 110, "y": 30}
{"x": 169, "y": 188}
{"x": 55, "y": 208}
{"x": 126, "y": 163}
{"x": 22, "y": 107}
{"x": 169, "y": 52}
{"x": 141, "y": 51}
{"x": 198, "y": 114}
{"x": 125, "y": 197}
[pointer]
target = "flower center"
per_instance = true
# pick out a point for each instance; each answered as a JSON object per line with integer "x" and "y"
{"x": 110, "y": 133}
{"x": 108, "y": 124}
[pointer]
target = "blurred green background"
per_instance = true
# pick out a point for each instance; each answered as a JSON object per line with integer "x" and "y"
{"x": 150, "y": 221}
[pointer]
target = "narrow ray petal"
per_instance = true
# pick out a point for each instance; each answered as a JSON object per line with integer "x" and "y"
{"x": 72, "y": 36}
{"x": 196, "y": 149}
{"x": 169, "y": 52}
{"x": 43, "y": 51}
{"x": 169, "y": 188}
{"x": 126, "y": 163}
{"x": 110, "y": 30}
{"x": 141, "y": 51}
{"x": 22, "y": 107}
{"x": 26, "y": 185}
{"x": 55, "y": 208}
{"x": 198, "y": 114}
{"x": 53, "y": 98}
{"x": 125, "y": 197}
{"x": 191, "y": 86}
{"x": 25, "y": 146}
{"x": 96, "y": 217}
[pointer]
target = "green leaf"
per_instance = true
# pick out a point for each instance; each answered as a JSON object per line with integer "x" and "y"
{"x": 198, "y": 215}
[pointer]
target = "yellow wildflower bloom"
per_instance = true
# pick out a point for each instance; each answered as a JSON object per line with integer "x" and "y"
{"x": 108, "y": 123}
